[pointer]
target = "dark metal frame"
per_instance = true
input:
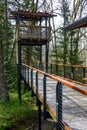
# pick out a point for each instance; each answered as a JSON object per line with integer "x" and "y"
{"x": 44, "y": 94}
{"x": 59, "y": 123}
{"x": 18, "y": 17}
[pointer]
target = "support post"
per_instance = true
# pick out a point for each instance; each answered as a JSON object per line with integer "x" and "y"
{"x": 39, "y": 114}
{"x": 44, "y": 95}
{"x": 59, "y": 124}
{"x": 25, "y": 84}
{"x": 28, "y": 79}
{"x": 37, "y": 88}
{"x": 56, "y": 69}
{"x": 83, "y": 74}
{"x": 24, "y": 72}
{"x": 46, "y": 57}
{"x": 28, "y": 75}
{"x": 72, "y": 73}
{"x": 63, "y": 69}
{"x": 40, "y": 54}
{"x": 19, "y": 72}
{"x": 51, "y": 68}
{"x": 32, "y": 93}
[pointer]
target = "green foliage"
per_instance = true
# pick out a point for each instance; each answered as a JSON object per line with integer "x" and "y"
{"x": 14, "y": 112}
{"x": 73, "y": 50}
{"x": 67, "y": 43}
{"x": 60, "y": 50}
{"x": 11, "y": 74}
{"x": 7, "y": 42}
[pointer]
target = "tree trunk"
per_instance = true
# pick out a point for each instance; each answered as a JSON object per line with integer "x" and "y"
{"x": 4, "y": 97}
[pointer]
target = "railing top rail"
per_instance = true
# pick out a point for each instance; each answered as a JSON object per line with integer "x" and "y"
{"x": 75, "y": 66}
{"x": 64, "y": 82}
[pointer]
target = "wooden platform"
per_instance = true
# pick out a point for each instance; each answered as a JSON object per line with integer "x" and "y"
{"x": 74, "y": 103}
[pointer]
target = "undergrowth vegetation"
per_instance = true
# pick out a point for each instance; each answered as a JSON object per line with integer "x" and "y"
{"x": 13, "y": 113}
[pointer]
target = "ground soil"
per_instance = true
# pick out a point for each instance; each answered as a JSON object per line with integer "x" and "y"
{"x": 32, "y": 124}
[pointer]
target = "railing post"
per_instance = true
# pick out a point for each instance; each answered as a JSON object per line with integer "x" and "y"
{"x": 51, "y": 68}
{"x": 37, "y": 88}
{"x": 44, "y": 95}
{"x": 28, "y": 79}
{"x": 63, "y": 69}
{"x": 25, "y": 74}
{"x": 59, "y": 124}
{"x": 41, "y": 54}
{"x": 28, "y": 75}
{"x": 56, "y": 69}
{"x": 41, "y": 66}
{"x": 25, "y": 79}
{"x": 19, "y": 71}
{"x": 22, "y": 72}
{"x": 39, "y": 114}
{"x": 72, "y": 73}
{"x": 35, "y": 64}
{"x": 83, "y": 74}
{"x": 32, "y": 93}
{"x": 46, "y": 58}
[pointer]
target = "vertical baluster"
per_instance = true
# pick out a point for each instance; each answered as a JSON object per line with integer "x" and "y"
{"x": 51, "y": 68}
{"x": 56, "y": 69}
{"x": 59, "y": 124}
{"x": 37, "y": 88}
{"x": 28, "y": 77}
{"x": 42, "y": 66}
{"x": 39, "y": 114}
{"x": 44, "y": 95}
{"x": 25, "y": 74}
{"x": 63, "y": 71}
{"x": 32, "y": 93}
{"x": 46, "y": 57}
{"x": 19, "y": 71}
{"x": 83, "y": 74}
{"x": 72, "y": 73}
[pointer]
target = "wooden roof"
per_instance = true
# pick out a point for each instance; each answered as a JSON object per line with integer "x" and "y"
{"x": 80, "y": 23}
{"x": 26, "y": 15}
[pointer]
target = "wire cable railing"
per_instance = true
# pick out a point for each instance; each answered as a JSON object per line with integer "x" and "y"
{"x": 59, "y": 97}
{"x": 73, "y": 72}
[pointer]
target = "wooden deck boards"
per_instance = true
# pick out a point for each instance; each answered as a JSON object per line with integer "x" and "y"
{"x": 74, "y": 103}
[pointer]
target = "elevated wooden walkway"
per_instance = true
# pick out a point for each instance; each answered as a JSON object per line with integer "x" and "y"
{"x": 74, "y": 98}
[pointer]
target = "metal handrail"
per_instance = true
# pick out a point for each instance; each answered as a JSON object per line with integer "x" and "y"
{"x": 64, "y": 82}
{"x": 28, "y": 73}
{"x": 75, "y": 66}
{"x": 73, "y": 72}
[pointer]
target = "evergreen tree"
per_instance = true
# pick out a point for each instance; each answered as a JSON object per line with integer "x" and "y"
{"x": 60, "y": 49}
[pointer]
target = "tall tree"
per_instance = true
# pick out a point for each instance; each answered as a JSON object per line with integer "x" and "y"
{"x": 77, "y": 11}
{"x": 61, "y": 38}
{"x": 4, "y": 97}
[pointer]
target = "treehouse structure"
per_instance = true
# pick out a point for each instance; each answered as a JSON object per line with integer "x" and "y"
{"x": 32, "y": 29}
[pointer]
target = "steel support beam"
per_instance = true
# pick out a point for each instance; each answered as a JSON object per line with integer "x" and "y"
{"x": 39, "y": 114}
{"x": 44, "y": 94}
{"x": 59, "y": 124}
{"x": 19, "y": 72}
{"x": 46, "y": 57}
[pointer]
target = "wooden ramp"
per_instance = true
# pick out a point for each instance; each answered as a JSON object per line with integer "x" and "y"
{"x": 74, "y": 98}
